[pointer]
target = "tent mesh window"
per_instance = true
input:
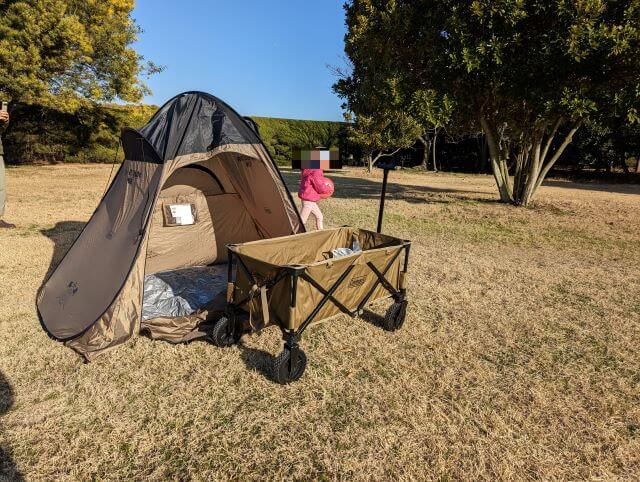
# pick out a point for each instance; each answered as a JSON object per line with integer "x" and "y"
{"x": 180, "y": 214}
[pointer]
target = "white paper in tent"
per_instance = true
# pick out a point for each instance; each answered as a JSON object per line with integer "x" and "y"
{"x": 182, "y": 214}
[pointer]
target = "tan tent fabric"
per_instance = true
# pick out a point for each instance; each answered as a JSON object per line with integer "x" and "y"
{"x": 119, "y": 323}
{"x": 214, "y": 164}
{"x": 251, "y": 180}
{"x": 233, "y": 224}
{"x": 95, "y": 269}
{"x": 253, "y": 177}
{"x": 173, "y": 247}
{"x": 168, "y": 247}
{"x": 194, "y": 177}
{"x": 222, "y": 216}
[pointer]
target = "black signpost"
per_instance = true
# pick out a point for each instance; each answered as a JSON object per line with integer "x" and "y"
{"x": 387, "y": 164}
{"x": 383, "y": 194}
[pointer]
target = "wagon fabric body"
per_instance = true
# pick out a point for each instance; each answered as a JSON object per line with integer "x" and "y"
{"x": 292, "y": 281}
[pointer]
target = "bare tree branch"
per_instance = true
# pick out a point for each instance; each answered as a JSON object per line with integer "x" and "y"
{"x": 543, "y": 156}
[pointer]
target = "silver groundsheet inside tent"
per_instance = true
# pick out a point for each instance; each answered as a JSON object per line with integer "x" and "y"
{"x": 182, "y": 292}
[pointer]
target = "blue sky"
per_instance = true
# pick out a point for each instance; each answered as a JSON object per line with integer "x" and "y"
{"x": 264, "y": 58}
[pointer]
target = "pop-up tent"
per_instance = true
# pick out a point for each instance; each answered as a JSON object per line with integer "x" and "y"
{"x": 195, "y": 178}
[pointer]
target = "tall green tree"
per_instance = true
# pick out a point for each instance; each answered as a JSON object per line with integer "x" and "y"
{"x": 378, "y": 122}
{"x": 529, "y": 73}
{"x": 66, "y": 53}
{"x": 383, "y": 134}
{"x": 381, "y": 123}
{"x": 432, "y": 112}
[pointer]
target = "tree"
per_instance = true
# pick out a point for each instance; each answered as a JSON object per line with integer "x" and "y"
{"x": 432, "y": 112}
{"x": 90, "y": 134}
{"x": 383, "y": 134}
{"x": 67, "y": 53}
{"x": 380, "y": 121}
{"x": 529, "y": 73}
{"x": 607, "y": 144}
{"x": 379, "y": 125}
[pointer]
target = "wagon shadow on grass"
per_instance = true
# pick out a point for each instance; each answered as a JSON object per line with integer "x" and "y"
{"x": 373, "y": 318}
{"x": 8, "y": 468}
{"x": 258, "y": 360}
{"x": 262, "y": 361}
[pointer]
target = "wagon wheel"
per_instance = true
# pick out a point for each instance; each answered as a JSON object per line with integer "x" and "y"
{"x": 394, "y": 318}
{"x": 224, "y": 333}
{"x": 289, "y": 365}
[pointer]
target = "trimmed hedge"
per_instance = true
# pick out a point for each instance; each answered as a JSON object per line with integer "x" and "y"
{"x": 39, "y": 135}
{"x": 281, "y": 135}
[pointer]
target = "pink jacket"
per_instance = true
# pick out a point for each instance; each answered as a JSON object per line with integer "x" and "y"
{"x": 311, "y": 185}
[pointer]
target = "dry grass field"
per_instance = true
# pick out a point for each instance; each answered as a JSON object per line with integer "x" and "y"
{"x": 520, "y": 357}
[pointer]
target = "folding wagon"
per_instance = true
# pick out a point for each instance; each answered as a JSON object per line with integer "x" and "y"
{"x": 295, "y": 280}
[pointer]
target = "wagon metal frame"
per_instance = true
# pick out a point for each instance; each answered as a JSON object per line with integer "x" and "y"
{"x": 290, "y": 364}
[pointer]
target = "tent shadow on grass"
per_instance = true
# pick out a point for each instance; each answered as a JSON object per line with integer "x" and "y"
{"x": 621, "y": 188}
{"x": 63, "y": 234}
{"x": 359, "y": 188}
{"x": 8, "y": 468}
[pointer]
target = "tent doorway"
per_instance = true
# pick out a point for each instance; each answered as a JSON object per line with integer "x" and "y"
{"x": 219, "y": 216}
{"x": 185, "y": 271}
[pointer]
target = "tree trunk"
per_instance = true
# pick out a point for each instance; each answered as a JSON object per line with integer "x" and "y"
{"x": 567, "y": 140}
{"x": 498, "y": 163}
{"x": 370, "y": 162}
{"x": 481, "y": 162}
{"x": 531, "y": 164}
{"x": 638, "y": 165}
{"x": 625, "y": 168}
{"x": 426, "y": 143}
{"x": 435, "y": 160}
{"x": 538, "y": 168}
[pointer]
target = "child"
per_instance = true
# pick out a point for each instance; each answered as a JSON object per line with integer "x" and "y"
{"x": 313, "y": 187}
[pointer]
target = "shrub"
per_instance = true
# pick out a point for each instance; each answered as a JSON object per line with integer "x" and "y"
{"x": 41, "y": 135}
